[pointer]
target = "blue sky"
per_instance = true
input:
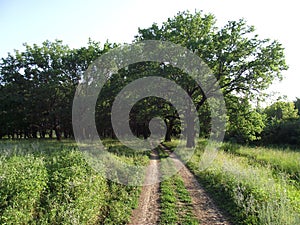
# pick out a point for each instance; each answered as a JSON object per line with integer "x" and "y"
{"x": 75, "y": 21}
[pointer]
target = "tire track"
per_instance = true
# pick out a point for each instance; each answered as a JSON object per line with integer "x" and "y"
{"x": 148, "y": 210}
{"x": 204, "y": 209}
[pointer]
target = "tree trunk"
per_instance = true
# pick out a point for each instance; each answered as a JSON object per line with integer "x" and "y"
{"x": 190, "y": 130}
{"x": 169, "y": 130}
{"x": 51, "y": 134}
{"x": 145, "y": 131}
{"x": 43, "y": 134}
{"x": 190, "y": 139}
{"x": 34, "y": 134}
{"x": 66, "y": 134}
{"x": 57, "y": 132}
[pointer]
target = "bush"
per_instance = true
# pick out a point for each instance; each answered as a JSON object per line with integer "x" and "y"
{"x": 75, "y": 192}
{"x": 22, "y": 181}
{"x": 51, "y": 183}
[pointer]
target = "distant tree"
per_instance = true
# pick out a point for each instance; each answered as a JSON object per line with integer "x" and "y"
{"x": 283, "y": 124}
{"x": 297, "y": 105}
{"x": 280, "y": 111}
{"x": 245, "y": 124}
{"x": 38, "y": 84}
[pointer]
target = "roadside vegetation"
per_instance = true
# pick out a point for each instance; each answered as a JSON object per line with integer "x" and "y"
{"x": 46, "y": 182}
{"x": 281, "y": 160}
{"x": 250, "y": 193}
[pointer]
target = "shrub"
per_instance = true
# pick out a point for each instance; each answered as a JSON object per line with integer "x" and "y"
{"x": 22, "y": 181}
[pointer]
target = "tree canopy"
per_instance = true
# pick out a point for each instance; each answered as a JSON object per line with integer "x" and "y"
{"x": 37, "y": 85}
{"x": 243, "y": 64}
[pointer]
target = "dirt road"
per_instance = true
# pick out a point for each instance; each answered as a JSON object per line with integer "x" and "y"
{"x": 148, "y": 211}
{"x": 148, "y": 207}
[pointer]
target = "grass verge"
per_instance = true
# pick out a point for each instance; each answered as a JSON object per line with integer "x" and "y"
{"x": 48, "y": 182}
{"x": 176, "y": 203}
{"x": 249, "y": 193}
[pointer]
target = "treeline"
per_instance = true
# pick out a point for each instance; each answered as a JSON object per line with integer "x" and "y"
{"x": 37, "y": 85}
{"x": 282, "y": 123}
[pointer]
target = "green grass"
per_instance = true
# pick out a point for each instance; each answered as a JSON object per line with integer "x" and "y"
{"x": 281, "y": 160}
{"x": 176, "y": 203}
{"x": 249, "y": 193}
{"x": 49, "y": 182}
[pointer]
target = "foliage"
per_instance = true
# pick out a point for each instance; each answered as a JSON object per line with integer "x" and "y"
{"x": 281, "y": 111}
{"x": 283, "y": 124}
{"x": 297, "y": 105}
{"x": 282, "y": 133}
{"x": 245, "y": 124}
{"x": 66, "y": 198}
{"x": 22, "y": 183}
{"x": 239, "y": 59}
{"x": 38, "y": 85}
{"x": 281, "y": 160}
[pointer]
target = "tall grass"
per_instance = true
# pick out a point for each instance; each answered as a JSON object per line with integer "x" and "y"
{"x": 250, "y": 193}
{"x": 49, "y": 182}
{"x": 281, "y": 160}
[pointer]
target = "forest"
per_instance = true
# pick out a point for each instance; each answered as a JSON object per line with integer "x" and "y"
{"x": 38, "y": 84}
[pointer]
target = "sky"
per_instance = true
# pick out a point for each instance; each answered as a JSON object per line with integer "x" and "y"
{"x": 74, "y": 21}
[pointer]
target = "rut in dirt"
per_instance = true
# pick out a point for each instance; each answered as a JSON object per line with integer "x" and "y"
{"x": 148, "y": 210}
{"x": 203, "y": 207}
